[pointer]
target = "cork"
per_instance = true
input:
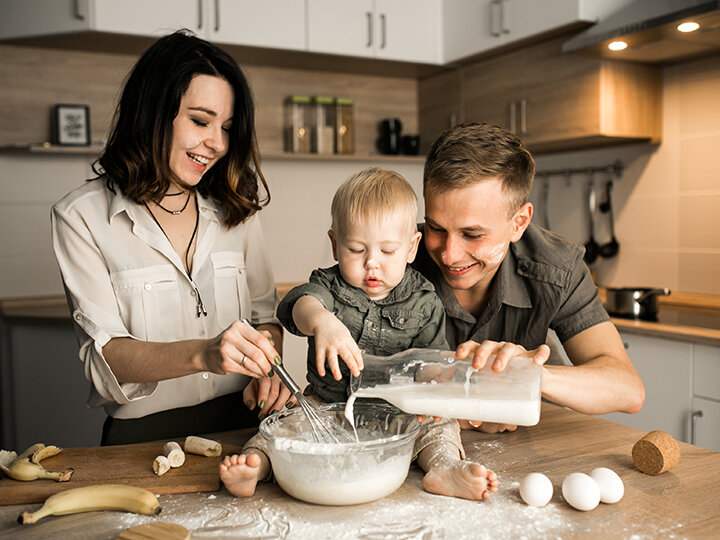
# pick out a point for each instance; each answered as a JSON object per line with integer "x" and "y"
{"x": 656, "y": 453}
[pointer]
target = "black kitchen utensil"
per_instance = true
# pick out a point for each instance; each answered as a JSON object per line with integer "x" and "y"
{"x": 545, "y": 197}
{"x": 390, "y": 131}
{"x": 591, "y": 247}
{"x": 612, "y": 247}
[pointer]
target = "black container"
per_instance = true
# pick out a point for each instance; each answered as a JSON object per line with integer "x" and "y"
{"x": 410, "y": 145}
{"x": 390, "y": 133}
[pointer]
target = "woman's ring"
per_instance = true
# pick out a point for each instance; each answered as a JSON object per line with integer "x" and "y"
{"x": 242, "y": 362}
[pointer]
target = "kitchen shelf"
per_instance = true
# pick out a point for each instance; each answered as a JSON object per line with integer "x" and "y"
{"x": 343, "y": 157}
{"x": 95, "y": 150}
{"x": 92, "y": 150}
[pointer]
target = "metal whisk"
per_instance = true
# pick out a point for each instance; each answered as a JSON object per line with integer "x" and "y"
{"x": 324, "y": 429}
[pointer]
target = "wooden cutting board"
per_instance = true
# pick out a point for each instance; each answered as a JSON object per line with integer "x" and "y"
{"x": 125, "y": 464}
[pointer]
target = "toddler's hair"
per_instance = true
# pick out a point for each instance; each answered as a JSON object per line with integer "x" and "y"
{"x": 373, "y": 194}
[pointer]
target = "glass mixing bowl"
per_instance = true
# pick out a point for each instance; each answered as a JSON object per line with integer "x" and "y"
{"x": 341, "y": 473}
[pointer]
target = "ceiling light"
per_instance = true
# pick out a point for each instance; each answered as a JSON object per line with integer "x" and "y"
{"x": 688, "y": 27}
{"x": 617, "y": 46}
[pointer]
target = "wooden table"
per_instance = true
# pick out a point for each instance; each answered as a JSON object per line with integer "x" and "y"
{"x": 681, "y": 503}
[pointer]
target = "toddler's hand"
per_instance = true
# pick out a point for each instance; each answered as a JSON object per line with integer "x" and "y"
{"x": 333, "y": 339}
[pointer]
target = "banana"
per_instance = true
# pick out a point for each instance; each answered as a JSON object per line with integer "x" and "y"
{"x": 26, "y": 466}
{"x": 99, "y": 497}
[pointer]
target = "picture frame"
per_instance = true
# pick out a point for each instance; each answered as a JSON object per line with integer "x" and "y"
{"x": 71, "y": 124}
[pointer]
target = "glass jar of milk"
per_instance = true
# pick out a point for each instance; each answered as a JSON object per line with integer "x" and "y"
{"x": 435, "y": 383}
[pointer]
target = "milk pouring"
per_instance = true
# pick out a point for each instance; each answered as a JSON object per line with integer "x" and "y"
{"x": 435, "y": 383}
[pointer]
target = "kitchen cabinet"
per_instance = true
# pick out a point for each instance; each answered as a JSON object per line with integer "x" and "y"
{"x": 29, "y": 18}
{"x": 471, "y": 28}
{"x": 405, "y": 30}
{"x": 666, "y": 369}
{"x": 43, "y": 391}
{"x": 682, "y": 386}
{"x": 555, "y": 101}
{"x": 705, "y": 416}
{"x": 236, "y": 22}
{"x": 276, "y": 24}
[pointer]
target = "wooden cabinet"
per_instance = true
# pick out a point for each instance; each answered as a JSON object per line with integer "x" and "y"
{"x": 405, "y": 30}
{"x": 556, "y": 101}
{"x": 472, "y": 28}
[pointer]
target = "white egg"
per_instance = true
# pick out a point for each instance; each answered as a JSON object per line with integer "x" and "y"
{"x": 581, "y": 491}
{"x": 536, "y": 489}
{"x": 611, "y": 486}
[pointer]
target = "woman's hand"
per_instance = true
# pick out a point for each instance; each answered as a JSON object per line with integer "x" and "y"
{"x": 268, "y": 394}
{"x": 241, "y": 349}
{"x": 333, "y": 339}
{"x": 503, "y": 351}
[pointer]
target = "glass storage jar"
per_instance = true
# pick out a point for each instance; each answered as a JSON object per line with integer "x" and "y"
{"x": 298, "y": 124}
{"x": 344, "y": 128}
{"x": 323, "y": 141}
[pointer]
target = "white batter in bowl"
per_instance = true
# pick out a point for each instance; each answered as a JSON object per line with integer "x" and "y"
{"x": 342, "y": 473}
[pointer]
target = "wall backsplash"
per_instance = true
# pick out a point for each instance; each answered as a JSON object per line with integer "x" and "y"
{"x": 296, "y": 222}
{"x": 667, "y": 204}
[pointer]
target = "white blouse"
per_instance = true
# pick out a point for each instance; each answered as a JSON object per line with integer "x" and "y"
{"x": 122, "y": 278}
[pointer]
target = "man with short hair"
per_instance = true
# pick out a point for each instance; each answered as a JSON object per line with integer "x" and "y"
{"x": 504, "y": 281}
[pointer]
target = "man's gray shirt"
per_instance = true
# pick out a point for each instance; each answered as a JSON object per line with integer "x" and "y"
{"x": 542, "y": 283}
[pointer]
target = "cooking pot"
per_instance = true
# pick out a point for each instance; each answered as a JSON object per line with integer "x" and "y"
{"x": 634, "y": 302}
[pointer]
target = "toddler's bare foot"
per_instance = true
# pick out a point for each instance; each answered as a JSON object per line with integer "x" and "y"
{"x": 240, "y": 474}
{"x": 463, "y": 479}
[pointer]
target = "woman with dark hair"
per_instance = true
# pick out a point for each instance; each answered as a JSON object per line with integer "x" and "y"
{"x": 162, "y": 255}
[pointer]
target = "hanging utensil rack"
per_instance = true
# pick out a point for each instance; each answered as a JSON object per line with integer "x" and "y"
{"x": 614, "y": 169}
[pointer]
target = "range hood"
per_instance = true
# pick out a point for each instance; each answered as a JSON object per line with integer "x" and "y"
{"x": 649, "y": 28}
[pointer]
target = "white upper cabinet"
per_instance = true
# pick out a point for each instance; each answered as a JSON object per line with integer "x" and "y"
{"x": 406, "y": 30}
{"x": 409, "y": 30}
{"x": 422, "y": 31}
{"x": 28, "y": 18}
{"x": 475, "y": 27}
{"x": 269, "y": 23}
{"x": 278, "y": 24}
{"x": 145, "y": 17}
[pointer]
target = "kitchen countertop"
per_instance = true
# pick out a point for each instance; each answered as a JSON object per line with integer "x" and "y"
{"x": 684, "y": 317}
{"x": 679, "y": 503}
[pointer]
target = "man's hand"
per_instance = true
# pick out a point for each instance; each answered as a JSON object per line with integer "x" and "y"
{"x": 503, "y": 351}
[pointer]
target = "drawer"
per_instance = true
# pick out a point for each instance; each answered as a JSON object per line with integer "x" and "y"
{"x": 706, "y": 367}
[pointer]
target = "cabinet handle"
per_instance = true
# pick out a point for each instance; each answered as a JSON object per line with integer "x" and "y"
{"x": 523, "y": 117}
{"x": 383, "y": 31}
{"x": 495, "y": 17}
{"x": 217, "y": 15}
{"x": 200, "y": 14}
{"x": 79, "y": 9}
{"x": 695, "y": 416}
{"x": 513, "y": 115}
{"x": 504, "y": 29}
{"x": 370, "y": 29}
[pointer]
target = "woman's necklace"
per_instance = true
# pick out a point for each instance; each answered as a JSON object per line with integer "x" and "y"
{"x": 200, "y": 306}
{"x": 174, "y": 212}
